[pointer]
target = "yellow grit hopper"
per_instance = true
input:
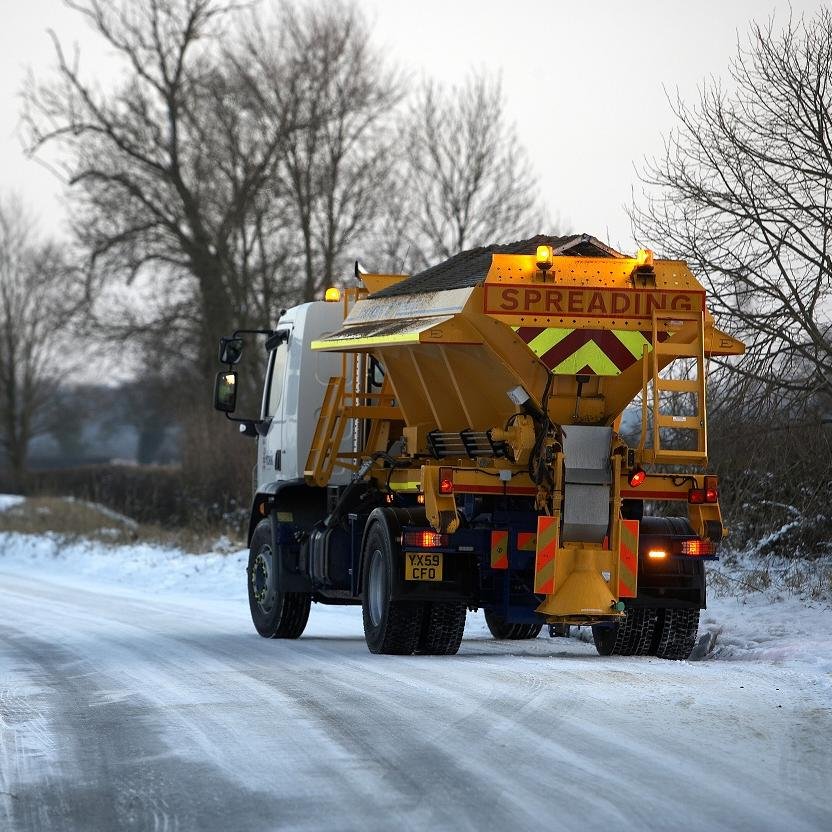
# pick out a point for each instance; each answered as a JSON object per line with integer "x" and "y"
{"x": 508, "y": 374}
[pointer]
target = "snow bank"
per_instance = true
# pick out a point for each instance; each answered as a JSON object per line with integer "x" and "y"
{"x": 118, "y": 517}
{"x": 138, "y": 566}
{"x": 8, "y": 501}
{"x": 783, "y": 631}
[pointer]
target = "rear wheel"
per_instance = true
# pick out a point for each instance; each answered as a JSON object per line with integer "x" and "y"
{"x": 442, "y": 626}
{"x": 275, "y": 614}
{"x": 392, "y": 627}
{"x": 503, "y": 631}
{"x": 630, "y": 636}
{"x": 677, "y": 633}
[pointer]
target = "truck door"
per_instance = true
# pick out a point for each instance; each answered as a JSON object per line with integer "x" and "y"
{"x": 271, "y": 451}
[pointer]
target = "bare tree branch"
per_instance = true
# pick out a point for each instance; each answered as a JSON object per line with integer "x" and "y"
{"x": 743, "y": 193}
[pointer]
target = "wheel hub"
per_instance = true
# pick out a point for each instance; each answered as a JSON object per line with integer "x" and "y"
{"x": 262, "y": 579}
{"x": 376, "y": 587}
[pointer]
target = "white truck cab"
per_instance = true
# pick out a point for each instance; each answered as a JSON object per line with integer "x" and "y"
{"x": 296, "y": 379}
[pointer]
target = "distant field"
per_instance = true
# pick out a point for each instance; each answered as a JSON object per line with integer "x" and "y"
{"x": 78, "y": 519}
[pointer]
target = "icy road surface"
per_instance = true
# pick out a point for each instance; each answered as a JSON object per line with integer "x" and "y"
{"x": 134, "y": 694}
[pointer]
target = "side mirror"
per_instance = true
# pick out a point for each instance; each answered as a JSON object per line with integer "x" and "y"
{"x": 225, "y": 391}
{"x": 231, "y": 350}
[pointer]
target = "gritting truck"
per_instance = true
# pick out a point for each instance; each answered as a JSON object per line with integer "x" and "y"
{"x": 452, "y": 441}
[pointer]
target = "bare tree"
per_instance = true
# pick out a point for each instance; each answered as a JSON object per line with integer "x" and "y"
{"x": 170, "y": 170}
{"x": 466, "y": 175}
{"x": 743, "y": 192}
{"x": 334, "y": 172}
{"x": 37, "y": 306}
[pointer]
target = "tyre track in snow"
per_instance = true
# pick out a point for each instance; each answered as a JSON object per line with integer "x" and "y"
{"x": 171, "y": 714}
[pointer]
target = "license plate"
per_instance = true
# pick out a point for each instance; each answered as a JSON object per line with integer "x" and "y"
{"x": 420, "y": 566}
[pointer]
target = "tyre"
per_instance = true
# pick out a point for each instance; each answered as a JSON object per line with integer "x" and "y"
{"x": 442, "y": 628}
{"x": 677, "y": 633}
{"x": 391, "y": 627}
{"x": 275, "y": 614}
{"x": 503, "y": 631}
{"x": 631, "y": 636}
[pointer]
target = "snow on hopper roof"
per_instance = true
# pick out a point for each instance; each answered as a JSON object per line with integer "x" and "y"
{"x": 379, "y": 333}
{"x": 469, "y": 268}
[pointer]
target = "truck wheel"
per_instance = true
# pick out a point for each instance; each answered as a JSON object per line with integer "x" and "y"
{"x": 503, "y": 631}
{"x": 275, "y": 614}
{"x": 391, "y": 627}
{"x": 442, "y": 627}
{"x": 631, "y": 636}
{"x": 677, "y": 634}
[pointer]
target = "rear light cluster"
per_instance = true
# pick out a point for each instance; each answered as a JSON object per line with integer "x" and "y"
{"x": 424, "y": 540}
{"x": 636, "y": 477}
{"x": 698, "y": 547}
{"x": 708, "y": 494}
{"x": 446, "y": 480}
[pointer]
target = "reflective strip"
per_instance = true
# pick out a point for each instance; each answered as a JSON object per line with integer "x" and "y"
{"x": 628, "y": 559}
{"x": 590, "y": 356}
{"x": 544, "y": 562}
{"x": 368, "y": 341}
{"x": 633, "y": 340}
{"x": 547, "y": 339}
{"x": 405, "y": 486}
{"x": 526, "y": 541}
{"x": 499, "y": 550}
{"x": 603, "y": 352}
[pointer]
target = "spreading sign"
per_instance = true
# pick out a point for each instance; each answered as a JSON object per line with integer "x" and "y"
{"x": 588, "y": 303}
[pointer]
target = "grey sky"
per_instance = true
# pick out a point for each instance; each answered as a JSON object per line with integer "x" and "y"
{"x": 584, "y": 81}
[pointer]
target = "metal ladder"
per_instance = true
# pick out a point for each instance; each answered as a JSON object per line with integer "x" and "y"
{"x": 686, "y": 340}
{"x": 338, "y": 408}
{"x": 329, "y": 433}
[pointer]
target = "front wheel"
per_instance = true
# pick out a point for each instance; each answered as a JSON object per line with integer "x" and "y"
{"x": 275, "y": 614}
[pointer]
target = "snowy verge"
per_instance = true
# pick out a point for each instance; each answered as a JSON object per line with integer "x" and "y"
{"x": 752, "y": 626}
{"x": 8, "y": 501}
{"x": 142, "y": 567}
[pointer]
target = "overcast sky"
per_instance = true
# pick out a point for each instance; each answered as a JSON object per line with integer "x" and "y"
{"x": 584, "y": 82}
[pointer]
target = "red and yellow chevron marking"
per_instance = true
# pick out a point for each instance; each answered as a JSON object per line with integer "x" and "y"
{"x": 628, "y": 559}
{"x": 601, "y": 352}
{"x": 547, "y": 549}
{"x": 526, "y": 541}
{"x": 499, "y": 550}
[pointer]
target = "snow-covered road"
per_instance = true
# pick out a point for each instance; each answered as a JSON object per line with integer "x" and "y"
{"x": 145, "y": 703}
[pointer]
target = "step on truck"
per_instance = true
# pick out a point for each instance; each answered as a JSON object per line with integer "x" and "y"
{"x": 519, "y": 429}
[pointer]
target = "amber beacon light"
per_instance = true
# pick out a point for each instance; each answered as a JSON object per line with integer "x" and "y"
{"x": 644, "y": 258}
{"x": 544, "y": 258}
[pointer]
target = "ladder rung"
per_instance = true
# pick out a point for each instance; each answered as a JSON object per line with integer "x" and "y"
{"x": 679, "y": 385}
{"x": 372, "y": 412}
{"x": 679, "y": 350}
{"x": 680, "y": 457}
{"x": 681, "y": 422}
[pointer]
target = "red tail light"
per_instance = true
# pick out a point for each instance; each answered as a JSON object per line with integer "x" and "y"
{"x": 446, "y": 480}
{"x": 708, "y": 494}
{"x": 425, "y": 539}
{"x": 711, "y": 490}
{"x": 637, "y": 477}
{"x": 698, "y": 547}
